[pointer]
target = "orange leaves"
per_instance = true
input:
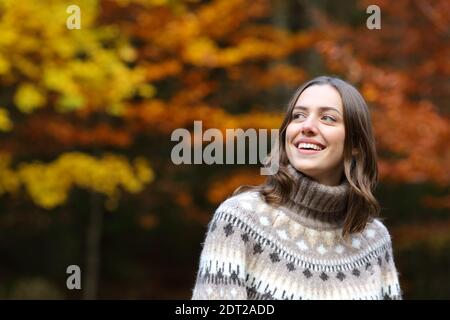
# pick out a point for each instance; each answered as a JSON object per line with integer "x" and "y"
{"x": 421, "y": 136}
{"x": 224, "y": 186}
{"x": 248, "y": 46}
{"x": 102, "y": 134}
{"x": 148, "y": 221}
{"x": 217, "y": 34}
{"x": 62, "y": 132}
{"x": 161, "y": 65}
{"x": 411, "y": 127}
{"x": 183, "y": 199}
{"x": 203, "y": 52}
{"x": 370, "y": 92}
{"x": 288, "y": 75}
{"x": 162, "y": 69}
{"x": 196, "y": 87}
{"x": 437, "y": 202}
{"x": 434, "y": 234}
{"x": 189, "y": 209}
{"x": 402, "y": 88}
{"x": 417, "y": 169}
{"x": 221, "y": 17}
{"x": 157, "y": 116}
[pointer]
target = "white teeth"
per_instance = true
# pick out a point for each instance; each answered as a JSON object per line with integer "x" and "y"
{"x": 309, "y": 145}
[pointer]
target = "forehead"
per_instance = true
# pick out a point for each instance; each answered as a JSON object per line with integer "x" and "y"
{"x": 320, "y": 96}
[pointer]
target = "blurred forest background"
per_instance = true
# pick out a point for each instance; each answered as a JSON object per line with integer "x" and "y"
{"x": 86, "y": 118}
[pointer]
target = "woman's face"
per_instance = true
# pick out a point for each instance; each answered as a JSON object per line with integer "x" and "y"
{"x": 318, "y": 118}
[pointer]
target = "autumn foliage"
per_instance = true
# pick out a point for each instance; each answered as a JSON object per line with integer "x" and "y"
{"x": 93, "y": 109}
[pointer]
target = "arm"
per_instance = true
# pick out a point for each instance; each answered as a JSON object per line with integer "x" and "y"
{"x": 221, "y": 273}
{"x": 390, "y": 289}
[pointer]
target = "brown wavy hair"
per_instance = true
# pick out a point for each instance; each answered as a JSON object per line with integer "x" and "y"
{"x": 360, "y": 168}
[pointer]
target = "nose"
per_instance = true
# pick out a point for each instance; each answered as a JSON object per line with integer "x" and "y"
{"x": 309, "y": 125}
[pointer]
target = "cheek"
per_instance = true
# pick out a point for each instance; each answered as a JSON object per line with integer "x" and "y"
{"x": 290, "y": 135}
{"x": 337, "y": 139}
{"x": 288, "y": 132}
{"x": 291, "y": 131}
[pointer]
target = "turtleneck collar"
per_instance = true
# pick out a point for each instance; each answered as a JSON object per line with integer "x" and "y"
{"x": 316, "y": 205}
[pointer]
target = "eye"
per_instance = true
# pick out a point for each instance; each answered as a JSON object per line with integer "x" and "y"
{"x": 330, "y": 118}
{"x": 297, "y": 115}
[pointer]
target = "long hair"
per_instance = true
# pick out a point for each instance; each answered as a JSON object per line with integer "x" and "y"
{"x": 360, "y": 169}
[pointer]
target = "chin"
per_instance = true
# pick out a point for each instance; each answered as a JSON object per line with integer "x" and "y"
{"x": 301, "y": 166}
{"x": 305, "y": 167}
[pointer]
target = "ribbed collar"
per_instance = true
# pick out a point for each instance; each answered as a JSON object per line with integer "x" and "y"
{"x": 315, "y": 205}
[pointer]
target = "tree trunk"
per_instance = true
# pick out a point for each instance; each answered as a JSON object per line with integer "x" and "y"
{"x": 93, "y": 248}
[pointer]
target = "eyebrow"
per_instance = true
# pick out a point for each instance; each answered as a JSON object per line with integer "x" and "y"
{"x": 320, "y": 108}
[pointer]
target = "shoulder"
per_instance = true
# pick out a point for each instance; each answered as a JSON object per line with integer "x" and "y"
{"x": 376, "y": 231}
{"x": 243, "y": 204}
{"x": 235, "y": 213}
{"x": 244, "y": 207}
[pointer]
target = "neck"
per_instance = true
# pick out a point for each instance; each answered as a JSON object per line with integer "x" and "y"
{"x": 316, "y": 205}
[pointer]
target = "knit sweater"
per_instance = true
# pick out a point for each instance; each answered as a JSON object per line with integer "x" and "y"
{"x": 253, "y": 250}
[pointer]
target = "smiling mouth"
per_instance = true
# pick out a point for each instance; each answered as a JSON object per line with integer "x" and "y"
{"x": 309, "y": 147}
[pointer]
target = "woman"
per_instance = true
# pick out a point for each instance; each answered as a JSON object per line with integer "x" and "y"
{"x": 310, "y": 231}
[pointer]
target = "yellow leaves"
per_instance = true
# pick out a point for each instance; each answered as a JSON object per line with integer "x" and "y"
{"x": 254, "y": 47}
{"x": 201, "y": 52}
{"x": 204, "y": 52}
{"x": 91, "y": 71}
{"x": 127, "y": 53}
{"x": 74, "y": 66}
{"x": 45, "y": 184}
{"x": 4, "y": 65}
{"x": 9, "y": 182}
{"x": 102, "y": 175}
{"x": 69, "y": 102}
{"x": 58, "y": 79}
{"x": 158, "y": 2}
{"x": 9, "y": 36}
{"x": 29, "y": 97}
{"x": 61, "y": 80}
{"x": 143, "y": 170}
{"x": 146, "y": 90}
{"x": 5, "y": 122}
{"x": 49, "y": 184}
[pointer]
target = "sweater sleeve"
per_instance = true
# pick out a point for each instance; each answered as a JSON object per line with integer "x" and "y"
{"x": 390, "y": 289}
{"x": 222, "y": 267}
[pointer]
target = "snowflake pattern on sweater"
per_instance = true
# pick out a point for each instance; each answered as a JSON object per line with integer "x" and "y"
{"x": 254, "y": 251}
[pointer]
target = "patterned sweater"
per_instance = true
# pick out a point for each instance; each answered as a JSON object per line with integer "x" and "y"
{"x": 255, "y": 251}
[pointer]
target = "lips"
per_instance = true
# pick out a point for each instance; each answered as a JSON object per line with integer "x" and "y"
{"x": 308, "y": 151}
{"x": 308, "y": 143}
{"x": 309, "y": 146}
